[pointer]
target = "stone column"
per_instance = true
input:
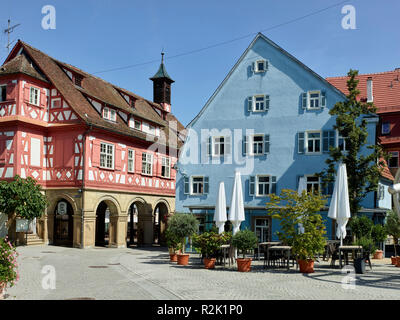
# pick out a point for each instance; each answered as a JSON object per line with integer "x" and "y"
{"x": 89, "y": 231}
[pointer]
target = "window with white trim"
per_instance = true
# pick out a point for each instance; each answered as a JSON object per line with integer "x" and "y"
{"x": 147, "y": 163}
{"x": 138, "y": 125}
{"x": 165, "y": 167}
{"x": 258, "y": 103}
{"x": 342, "y": 142}
{"x": 394, "y": 159}
{"x": 260, "y": 66}
{"x": 257, "y": 144}
{"x": 109, "y": 114}
{"x": 34, "y": 96}
{"x": 313, "y": 184}
{"x": 313, "y": 141}
{"x": 3, "y": 93}
{"x": 56, "y": 103}
{"x": 106, "y": 155}
{"x": 197, "y": 185}
{"x": 314, "y": 99}
{"x": 131, "y": 160}
{"x": 263, "y": 185}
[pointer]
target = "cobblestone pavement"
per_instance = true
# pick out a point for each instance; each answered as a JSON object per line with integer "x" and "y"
{"x": 146, "y": 273}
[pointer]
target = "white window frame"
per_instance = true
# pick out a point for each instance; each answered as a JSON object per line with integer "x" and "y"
{"x": 269, "y": 184}
{"x": 36, "y": 91}
{"x": 140, "y": 125}
{"x": 147, "y": 163}
{"x": 131, "y": 160}
{"x": 3, "y": 87}
{"x": 396, "y": 153}
{"x": 166, "y": 163}
{"x": 251, "y": 144}
{"x": 306, "y": 133}
{"x": 338, "y": 138}
{"x": 263, "y": 229}
{"x": 309, "y": 93}
{"x": 198, "y": 183}
{"x": 264, "y": 63}
{"x": 262, "y": 103}
{"x": 313, "y": 182}
{"x": 220, "y": 146}
{"x": 54, "y": 100}
{"x": 108, "y": 156}
{"x": 109, "y": 114}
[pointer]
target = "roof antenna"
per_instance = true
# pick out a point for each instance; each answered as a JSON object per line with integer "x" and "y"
{"x": 8, "y": 31}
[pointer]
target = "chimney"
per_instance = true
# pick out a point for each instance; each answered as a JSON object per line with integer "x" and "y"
{"x": 370, "y": 94}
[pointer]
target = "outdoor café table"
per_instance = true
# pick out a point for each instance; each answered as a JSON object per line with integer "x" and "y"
{"x": 346, "y": 249}
{"x": 282, "y": 249}
{"x": 225, "y": 249}
{"x": 267, "y": 244}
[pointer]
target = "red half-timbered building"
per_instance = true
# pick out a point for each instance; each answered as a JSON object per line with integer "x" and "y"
{"x": 103, "y": 155}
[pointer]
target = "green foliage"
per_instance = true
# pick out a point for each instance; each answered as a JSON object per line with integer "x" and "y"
{"x": 362, "y": 171}
{"x": 209, "y": 243}
{"x": 172, "y": 240}
{"x": 361, "y": 226}
{"x": 8, "y": 263}
{"x": 392, "y": 227}
{"x": 22, "y": 197}
{"x": 244, "y": 240}
{"x": 378, "y": 233}
{"x": 290, "y": 209}
{"x": 182, "y": 225}
{"x": 367, "y": 243}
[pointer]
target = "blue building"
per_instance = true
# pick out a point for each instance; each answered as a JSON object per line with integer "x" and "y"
{"x": 270, "y": 119}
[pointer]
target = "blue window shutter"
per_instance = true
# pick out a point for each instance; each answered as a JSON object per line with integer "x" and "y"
{"x": 245, "y": 145}
{"x": 304, "y": 100}
{"x": 323, "y": 99}
{"x": 266, "y": 102}
{"x": 250, "y": 104}
{"x": 253, "y": 65}
{"x": 206, "y": 185}
{"x": 301, "y": 142}
{"x": 186, "y": 185}
{"x": 273, "y": 184}
{"x": 227, "y": 149}
{"x": 209, "y": 145}
{"x": 266, "y": 65}
{"x": 266, "y": 143}
{"x": 252, "y": 185}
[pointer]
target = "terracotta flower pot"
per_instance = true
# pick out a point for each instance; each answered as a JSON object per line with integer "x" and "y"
{"x": 394, "y": 260}
{"x": 378, "y": 254}
{"x": 306, "y": 266}
{"x": 398, "y": 262}
{"x": 209, "y": 263}
{"x": 244, "y": 265}
{"x": 173, "y": 257}
{"x": 183, "y": 259}
{"x": 2, "y": 287}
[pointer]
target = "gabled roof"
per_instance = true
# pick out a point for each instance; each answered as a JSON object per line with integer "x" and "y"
{"x": 92, "y": 87}
{"x": 260, "y": 35}
{"x": 21, "y": 64}
{"x": 386, "y": 89}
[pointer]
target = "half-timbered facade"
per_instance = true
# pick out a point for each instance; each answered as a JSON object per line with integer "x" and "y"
{"x": 103, "y": 154}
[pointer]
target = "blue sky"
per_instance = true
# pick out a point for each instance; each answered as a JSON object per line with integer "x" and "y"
{"x": 97, "y": 35}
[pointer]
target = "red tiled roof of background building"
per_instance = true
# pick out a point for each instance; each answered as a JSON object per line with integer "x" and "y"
{"x": 386, "y": 89}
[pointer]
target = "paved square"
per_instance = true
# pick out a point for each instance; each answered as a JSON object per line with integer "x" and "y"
{"x": 146, "y": 273}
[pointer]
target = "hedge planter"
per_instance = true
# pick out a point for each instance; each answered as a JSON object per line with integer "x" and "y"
{"x": 183, "y": 259}
{"x": 378, "y": 254}
{"x": 306, "y": 266}
{"x": 244, "y": 265}
{"x": 209, "y": 263}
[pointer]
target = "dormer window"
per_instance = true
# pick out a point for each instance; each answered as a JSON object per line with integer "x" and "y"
{"x": 109, "y": 114}
{"x": 260, "y": 66}
{"x": 3, "y": 93}
{"x": 78, "y": 80}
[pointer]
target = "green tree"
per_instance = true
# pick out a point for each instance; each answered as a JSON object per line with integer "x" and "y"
{"x": 392, "y": 227}
{"x": 291, "y": 208}
{"x": 22, "y": 198}
{"x": 182, "y": 225}
{"x": 363, "y": 171}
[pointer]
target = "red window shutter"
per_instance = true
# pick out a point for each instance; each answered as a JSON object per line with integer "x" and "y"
{"x": 43, "y": 98}
{"x": 96, "y": 153}
{"x": 138, "y": 161}
{"x": 3, "y": 150}
{"x": 26, "y": 93}
{"x": 173, "y": 171}
{"x": 118, "y": 161}
{"x": 10, "y": 91}
{"x": 68, "y": 153}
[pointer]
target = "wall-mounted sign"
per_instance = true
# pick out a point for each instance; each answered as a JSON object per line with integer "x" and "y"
{"x": 22, "y": 225}
{"x": 62, "y": 207}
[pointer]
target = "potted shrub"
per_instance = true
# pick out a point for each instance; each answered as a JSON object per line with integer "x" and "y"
{"x": 181, "y": 226}
{"x": 392, "y": 227}
{"x": 291, "y": 208}
{"x": 8, "y": 265}
{"x": 244, "y": 240}
{"x": 173, "y": 243}
{"x": 379, "y": 235}
{"x": 209, "y": 244}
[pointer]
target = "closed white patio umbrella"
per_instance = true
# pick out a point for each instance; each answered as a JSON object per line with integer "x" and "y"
{"x": 301, "y": 188}
{"x": 339, "y": 208}
{"x": 220, "y": 208}
{"x": 236, "y": 210}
